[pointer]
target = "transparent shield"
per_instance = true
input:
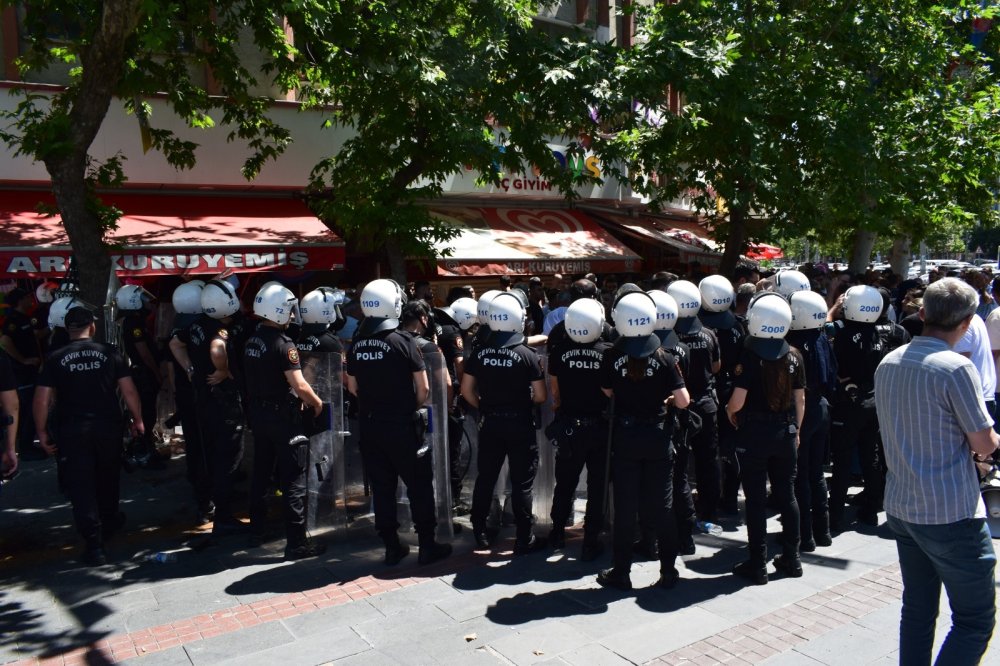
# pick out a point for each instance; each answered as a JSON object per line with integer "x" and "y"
{"x": 436, "y": 441}
{"x": 545, "y": 478}
{"x": 326, "y": 506}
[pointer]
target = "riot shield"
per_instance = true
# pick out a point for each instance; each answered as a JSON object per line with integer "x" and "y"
{"x": 326, "y": 506}
{"x": 545, "y": 478}
{"x": 436, "y": 441}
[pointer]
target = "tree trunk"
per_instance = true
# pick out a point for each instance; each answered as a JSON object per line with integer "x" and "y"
{"x": 899, "y": 256}
{"x": 736, "y": 241}
{"x": 397, "y": 261}
{"x": 861, "y": 251}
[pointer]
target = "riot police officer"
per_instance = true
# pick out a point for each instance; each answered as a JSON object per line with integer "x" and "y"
{"x": 203, "y": 352}
{"x": 580, "y": 424}
{"x": 385, "y": 370}
{"x": 186, "y": 300}
{"x": 276, "y": 393}
{"x": 809, "y": 312}
{"x": 579, "y": 290}
{"x": 642, "y": 379}
{"x": 83, "y": 379}
{"x": 451, "y": 323}
{"x": 704, "y": 363}
{"x": 767, "y": 407}
{"x": 320, "y": 313}
{"x": 858, "y": 349}
{"x": 503, "y": 379}
{"x": 57, "y": 321}
{"x": 133, "y": 302}
{"x": 483, "y": 315}
{"x": 682, "y": 430}
{"x": 716, "y": 314}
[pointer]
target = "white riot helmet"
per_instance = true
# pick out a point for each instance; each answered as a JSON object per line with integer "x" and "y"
{"x": 717, "y": 294}
{"x": 187, "y": 297}
{"x": 275, "y": 303}
{"x": 635, "y": 319}
{"x": 768, "y": 321}
{"x": 219, "y": 299}
{"x": 132, "y": 297}
{"x": 319, "y": 306}
{"x": 666, "y": 310}
{"x": 506, "y": 321}
{"x": 863, "y": 304}
{"x": 44, "y": 293}
{"x": 59, "y": 308}
{"x": 464, "y": 312}
{"x": 584, "y": 320}
{"x": 634, "y": 315}
{"x": 808, "y": 310}
{"x": 382, "y": 304}
{"x": 483, "y": 306}
{"x": 787, "y": 283}
{"x": 688, "y": 298}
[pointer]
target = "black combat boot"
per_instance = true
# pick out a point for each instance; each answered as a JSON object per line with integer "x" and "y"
{"x": 431, "y": 550}
{"x": 821, "y": 529}
{"x": 394, "y": 549}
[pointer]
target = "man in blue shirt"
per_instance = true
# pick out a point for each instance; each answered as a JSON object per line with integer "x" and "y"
{"x": 934, "y": 422}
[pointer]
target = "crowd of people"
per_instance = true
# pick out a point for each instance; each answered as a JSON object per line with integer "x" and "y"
{"x": 756, "y": 382}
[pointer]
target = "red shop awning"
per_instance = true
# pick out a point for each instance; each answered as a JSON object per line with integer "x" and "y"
{"x": 174, "y": 235}
{"x": 764, "y": 251}
{"x": 523, "y": 241}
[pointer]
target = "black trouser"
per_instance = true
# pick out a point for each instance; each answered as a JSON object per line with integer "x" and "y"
{"x": 456, "y": 429}
{"x": 727, "y": 454}
{"x": 197, "y": 459}
{"x": 274, "y": 429}
{"x": 810, "y": 482}
{"x": 767, "y": 450}
{"x": 683, "y": 508}
{"x": 221, "y": 420}
{"x": 512, "y": 438}
{"x": 91, "y": 450}
{"x": 641, "y": 472}
{"x": 855, "y": 428}
{"x": 705, "y": 449}
{"x": 587, "y": 445}
{"x": 26, "y": 419}
{"x": 149, "y": 391}
{"x": 389, "y": 449}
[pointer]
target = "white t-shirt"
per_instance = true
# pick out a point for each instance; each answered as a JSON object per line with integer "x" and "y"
{"x": 993, "y": 329}
{"x": 976, "y": 343}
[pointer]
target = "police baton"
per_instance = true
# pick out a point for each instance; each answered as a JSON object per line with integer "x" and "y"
{"x": 607, "y": 460}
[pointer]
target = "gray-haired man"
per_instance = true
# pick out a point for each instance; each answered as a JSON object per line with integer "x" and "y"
{"x": 934, "y": 422}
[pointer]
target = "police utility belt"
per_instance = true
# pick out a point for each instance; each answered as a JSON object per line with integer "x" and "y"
{"x": 279, "y": 406}
{"x": 784, "y": 418}
{"x": 626, "y": 421}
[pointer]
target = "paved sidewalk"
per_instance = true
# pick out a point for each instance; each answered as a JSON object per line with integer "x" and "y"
{"x": 229, "y": 604}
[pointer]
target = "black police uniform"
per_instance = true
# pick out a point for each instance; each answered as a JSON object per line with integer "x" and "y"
{"x": 731, "y": 333}
{"x": 582, "y": 435}
{"x": 814, "y": 438}
{"x": 239, "y": 329}
{"x": 87, "y": 427}
{"x": 506, "y": 430}
{"x": 319, "y": 339}
{"x": 21, "y": 328}
{"x": 642, "y": 453}
{"x": 766, "y": 450}
{"x": 451, "y": 342}
{"x": 275, "y": 415}
{"x": 58, "y": 339}
{"x": 220, "y": 413}
{"x": 683, "y": 498}
{"x": 858, "y": 349}
{"x": 133, "y": 330}
{"x": 704, "y": 351}
{"x": 8, "y": 382}
{"x": 383, "y": 365}
{"x": 558, "y": 337}
{"x": 197, "y": 459}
